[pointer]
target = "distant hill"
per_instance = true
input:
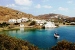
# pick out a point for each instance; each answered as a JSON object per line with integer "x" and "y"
{"x": 52, "y": 16}
{"x": 71, "y": 19}
{"x": 8, "y": 13}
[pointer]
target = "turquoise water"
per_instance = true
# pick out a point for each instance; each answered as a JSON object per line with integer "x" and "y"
{"x": 43, "y": 38}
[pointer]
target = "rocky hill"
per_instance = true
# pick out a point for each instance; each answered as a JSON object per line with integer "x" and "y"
{"x": 71, "y": 19}
{"x": 8, "y": 13}
{"x": 51, "y": 16}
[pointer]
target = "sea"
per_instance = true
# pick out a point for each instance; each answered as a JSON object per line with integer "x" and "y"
{"x": 43, "y": 38}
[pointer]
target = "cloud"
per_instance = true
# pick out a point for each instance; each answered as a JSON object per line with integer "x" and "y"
{"x": 38, "y": 6}
{"x": 23, "y": 2}
{"x": 41, "y": 6}
{"x": 11, "y": 5}
{"x": 62, "y": 9}
{"x": 17, "y": 7}
{"x": 47, "y": 6}
{"x": 70, "y": 2}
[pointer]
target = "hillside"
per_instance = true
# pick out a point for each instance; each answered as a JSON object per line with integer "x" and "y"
{"x": 71, "y": 19}
{"x": 51, "y": 16}
{"x": 7, "y": 13}
{"x": 11, "y": 43}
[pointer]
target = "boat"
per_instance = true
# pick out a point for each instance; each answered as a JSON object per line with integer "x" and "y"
{"x": 56, "y": 35}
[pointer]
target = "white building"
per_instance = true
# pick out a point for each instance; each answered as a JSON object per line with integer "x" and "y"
{"x": 19, "y": 20}
{"x": 12, "y": 21}
{"x": 21, "y": 25}
{"x": 24, "y": 19}
{"x": 49, "y": 25}
{"x": 40, "y": 22}
{"x": 31, "y": 19}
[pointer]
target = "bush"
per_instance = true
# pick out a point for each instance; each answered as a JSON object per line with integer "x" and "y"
{"x": 64, "y": 45}
{"x": 32, "y": 23}
{"x": 10, "y": 43}
{"x": 16, "y": 23}
{"x": 4, "y": 24}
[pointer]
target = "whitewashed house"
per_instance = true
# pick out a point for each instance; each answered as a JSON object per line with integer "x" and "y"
{"x": 72, "y": 23}
{"x": 12, "y": 20}
{"x": 21, "y": 25}
{"x": 49, "y": 25}
{"x": 24, "y": 19}
{"x": 40, "y": 22}
{"x": 19, "y": 20}
{"x": 31, "y": 19}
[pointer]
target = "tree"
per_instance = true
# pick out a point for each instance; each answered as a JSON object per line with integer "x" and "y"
{"x": 32, "y": 23}
{"x": 4, "y": 24}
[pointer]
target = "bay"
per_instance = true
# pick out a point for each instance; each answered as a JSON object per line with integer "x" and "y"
{"x": 44, "y": 38}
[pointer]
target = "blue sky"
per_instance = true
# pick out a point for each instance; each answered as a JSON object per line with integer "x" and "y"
{"x": 38, "y": 7}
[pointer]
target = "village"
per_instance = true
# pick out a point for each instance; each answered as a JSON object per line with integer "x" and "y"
{"x": 17, "y": 23}
{"x": 37, "y": 25}
{"x": 32, "y": 22}
{"x": 13, "y": 19}
{"x": 24, "y": 22}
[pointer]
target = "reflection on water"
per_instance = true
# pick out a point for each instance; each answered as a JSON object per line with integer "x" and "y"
{"x": 22, "y": 29}
{"x": 44, "y": 38}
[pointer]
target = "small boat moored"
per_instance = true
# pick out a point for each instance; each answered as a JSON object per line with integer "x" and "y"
{"x": 56, "y": 35}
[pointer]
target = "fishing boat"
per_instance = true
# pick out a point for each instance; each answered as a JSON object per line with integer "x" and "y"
{"x": 56, "y": 35}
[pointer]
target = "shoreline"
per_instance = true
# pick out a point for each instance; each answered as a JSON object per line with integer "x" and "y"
{"x": 16, "y": 28}
{"x": 66, "y": 25}
{"x": 27, "y": 27}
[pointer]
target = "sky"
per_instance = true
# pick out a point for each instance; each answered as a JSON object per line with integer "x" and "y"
{"x": 40, "y": 7}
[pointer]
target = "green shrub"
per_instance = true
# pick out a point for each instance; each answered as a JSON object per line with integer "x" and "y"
{"x": 64, "y": 45}
{"x": 4, "y": 24}
{"x": 32, "y": 23}
{"x": 10, "y": 43}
